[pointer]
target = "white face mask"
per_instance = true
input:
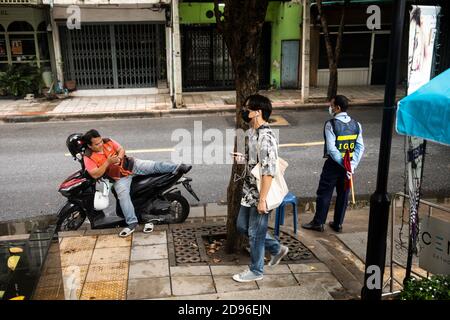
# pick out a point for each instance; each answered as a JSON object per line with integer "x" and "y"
{"x": 330, "y": 111}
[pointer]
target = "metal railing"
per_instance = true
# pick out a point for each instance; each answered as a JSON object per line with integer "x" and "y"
{"x": 431, "y": 206}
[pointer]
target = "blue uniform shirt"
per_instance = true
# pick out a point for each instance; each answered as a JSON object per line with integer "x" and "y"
{"x": 333, "y": 152}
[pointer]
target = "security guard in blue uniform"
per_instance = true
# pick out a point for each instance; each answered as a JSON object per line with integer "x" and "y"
{"x": 341, "y": 133}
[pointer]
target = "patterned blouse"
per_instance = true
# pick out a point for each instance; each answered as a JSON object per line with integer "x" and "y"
{"x": 265, "y": 138}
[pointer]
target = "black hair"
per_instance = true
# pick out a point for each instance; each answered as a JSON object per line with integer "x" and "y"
{"x": 258, "y": 102}
{"x": 87, "y": 137}
{"x": 415, "y": 15}
{"x": 341, "y": 101}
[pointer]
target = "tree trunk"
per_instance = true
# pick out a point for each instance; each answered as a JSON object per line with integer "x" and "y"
{"x": 246, "y": 85}
{"x": 241, "y": 25}
{"x": 333, "y": 55}
{"x": 333, "y": 83}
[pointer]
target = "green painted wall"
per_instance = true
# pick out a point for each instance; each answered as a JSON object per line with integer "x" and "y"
{"x": 286, "y": 26}
{"x": 284, "y": 16}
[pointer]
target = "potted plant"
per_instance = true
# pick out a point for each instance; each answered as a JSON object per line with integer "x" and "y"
{"x": 435, "y": 288}
{"x": 21, "y": 79}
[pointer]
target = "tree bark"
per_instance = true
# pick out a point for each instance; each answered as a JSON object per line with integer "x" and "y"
{"x": 333, "y": 55}
{"x": 241, "y": 25}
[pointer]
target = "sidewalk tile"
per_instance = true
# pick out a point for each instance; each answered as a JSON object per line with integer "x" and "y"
{"x": 76, "y": 258}
{"x": 49, "y": 293}
{"x": 227, "y": 270}
{"x": 183, "y": 271}
{"x": 308, "y": 268}
{"x": 215, "y": 210}
{"x": 158, "y": 251}
{"x": 148, "y": 269}
{"x": 156, "y": 237}
{"x": 78, "y": 243}
{"x": 183, "y": 286}
{"x": 278, "y": 269}
{"x": 112, "y": 241}
{"x": 77, "y": 275}
{"x": 197, "y": 212}
{"x": 112, "y": 290}
{"x": 107, "y": 272}
{"x": 148, "y": 288}
{"x": 277, "y": 281}
{"x": 227, "y": 284}
{"x": 329, "y": 282}
{"x": 110, "y": 255}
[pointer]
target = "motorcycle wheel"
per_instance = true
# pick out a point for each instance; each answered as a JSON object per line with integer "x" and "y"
{"x": 70, "y": 219}
{"x": 179, "y": 207}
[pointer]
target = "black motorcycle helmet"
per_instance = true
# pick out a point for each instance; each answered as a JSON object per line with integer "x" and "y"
{"x": 76, "y": 145}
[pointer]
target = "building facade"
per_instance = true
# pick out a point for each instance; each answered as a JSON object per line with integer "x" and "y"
{"x": 171, "y": 46}
{"x": 24, "y": 36}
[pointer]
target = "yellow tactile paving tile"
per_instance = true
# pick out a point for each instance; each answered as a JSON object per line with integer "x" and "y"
{"x": 112, "y": 241}
{"x": 108, "y": 272}
{"x": 111, "y": 255}
{"x": 49, "y": 293}
{"x": 112, "y": 290}
{"x": 53, "y": 279}
{"x": 75, "y": 257}
{"x": 77, "y": 243}
{"x": 75, "y": 277}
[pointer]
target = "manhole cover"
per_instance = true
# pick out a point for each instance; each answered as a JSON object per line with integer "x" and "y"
{"x": 189, "y": 245}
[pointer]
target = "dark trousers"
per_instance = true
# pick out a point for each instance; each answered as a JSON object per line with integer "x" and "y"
{"x": 333, "y": 175}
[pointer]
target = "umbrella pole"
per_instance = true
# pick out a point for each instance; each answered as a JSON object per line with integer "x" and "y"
{"x": 353, "y": 190}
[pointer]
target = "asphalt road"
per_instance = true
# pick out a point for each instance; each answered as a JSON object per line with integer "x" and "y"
{"x": 33, "y": 161}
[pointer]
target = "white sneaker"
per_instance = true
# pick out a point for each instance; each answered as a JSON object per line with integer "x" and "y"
{"x": 247, "y": 276}
{"x": 277, "y": 258}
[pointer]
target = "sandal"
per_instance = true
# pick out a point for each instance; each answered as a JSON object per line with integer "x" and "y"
{"x": 126, "y": 232}
{"x": 148, "y": 227}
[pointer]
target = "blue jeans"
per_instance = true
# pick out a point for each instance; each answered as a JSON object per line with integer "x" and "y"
{"x": 254, "y": 226}
{"x": 123, "y": 185}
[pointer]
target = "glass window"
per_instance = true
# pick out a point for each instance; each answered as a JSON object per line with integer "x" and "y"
{"x": 42, "y": 26}
{"x": 355, "y": 50}
{"x": 44, "y": 51}
{"x": 3, "y": 53}
{"x": 22, "y": 47}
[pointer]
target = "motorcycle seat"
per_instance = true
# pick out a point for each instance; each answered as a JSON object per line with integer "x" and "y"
{"x": 141, "y": 182}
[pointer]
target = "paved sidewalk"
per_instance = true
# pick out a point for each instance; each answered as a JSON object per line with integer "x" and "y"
{"x": 161, "y": 105}
{"x": 97, "y": 264}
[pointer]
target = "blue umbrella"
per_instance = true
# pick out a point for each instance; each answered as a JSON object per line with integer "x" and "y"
{"x": 426, "y": 112}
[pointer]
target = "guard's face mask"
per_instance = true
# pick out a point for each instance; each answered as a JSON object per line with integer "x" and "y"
{"x": 330, "y": 111}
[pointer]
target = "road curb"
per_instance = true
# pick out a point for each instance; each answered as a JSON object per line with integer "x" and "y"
{"x": 162, "y": 113}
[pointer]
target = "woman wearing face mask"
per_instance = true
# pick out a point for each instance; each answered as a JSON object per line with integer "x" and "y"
{"x": 261, "y": 146}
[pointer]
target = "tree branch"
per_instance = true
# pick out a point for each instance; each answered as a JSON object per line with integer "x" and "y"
{"x": 326, "y": 34}
{"x": 218, "y": 14}
{"x": 340, "y": 32}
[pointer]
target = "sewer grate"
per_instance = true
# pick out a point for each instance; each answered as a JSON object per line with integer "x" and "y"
{"x": 188, "y": 244}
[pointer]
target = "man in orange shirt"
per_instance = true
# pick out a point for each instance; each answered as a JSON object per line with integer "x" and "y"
{"x": 106, "y": 157}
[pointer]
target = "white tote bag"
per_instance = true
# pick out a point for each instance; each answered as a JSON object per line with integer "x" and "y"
{"x": 278, "y": 188}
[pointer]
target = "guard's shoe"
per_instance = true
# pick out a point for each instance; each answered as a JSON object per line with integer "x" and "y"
{"x": 313, "y": 226}
{"x": 277, "y": 258}
{"x": 335, "y": 227}
{"x": 247, "y": 276}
